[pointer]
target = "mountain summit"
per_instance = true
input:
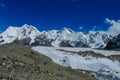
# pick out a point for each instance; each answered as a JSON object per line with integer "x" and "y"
{"x": 57, "y": 38}
{"x": 13, "y": 33}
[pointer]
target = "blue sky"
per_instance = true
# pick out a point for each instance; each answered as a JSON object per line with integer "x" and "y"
{"x": 79, "y": 15}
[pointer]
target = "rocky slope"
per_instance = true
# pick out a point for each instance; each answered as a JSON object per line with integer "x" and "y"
{"x": 114, "y": 44}
{"x": 21, "y": 63}
{"x": 29, "y": 35}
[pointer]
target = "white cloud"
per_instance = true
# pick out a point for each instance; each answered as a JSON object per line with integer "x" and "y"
{"x": 2, "y": 5}
{"x": 114, "y": 29}
{"x": 81, "y": 27}
{"x": 94, "y": 28}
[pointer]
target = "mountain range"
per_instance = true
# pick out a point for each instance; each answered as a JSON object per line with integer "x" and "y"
{"x": 30, "y": 35}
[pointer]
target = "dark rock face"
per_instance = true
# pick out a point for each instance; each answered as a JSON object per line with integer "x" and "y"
{"x": 80, "y": 44}
{"x": 25, "y": 41}
{"x": 65, "y": 44}
{"x": 75, "y": 44}
{"x": 1, "y": 41}
{"x": 114, "y": 43}
{"x": 42, "y": 41}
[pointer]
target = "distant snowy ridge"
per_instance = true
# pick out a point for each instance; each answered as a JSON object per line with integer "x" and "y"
{"x": 57, "y": 38}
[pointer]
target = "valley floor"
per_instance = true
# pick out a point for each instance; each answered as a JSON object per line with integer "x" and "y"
{"x": 105, "y": 65}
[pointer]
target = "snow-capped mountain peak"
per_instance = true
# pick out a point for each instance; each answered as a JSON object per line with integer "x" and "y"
{"x": 67, "y": 30}
{"x": 29, "y": 27}
{"x": 25, "y": 31}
